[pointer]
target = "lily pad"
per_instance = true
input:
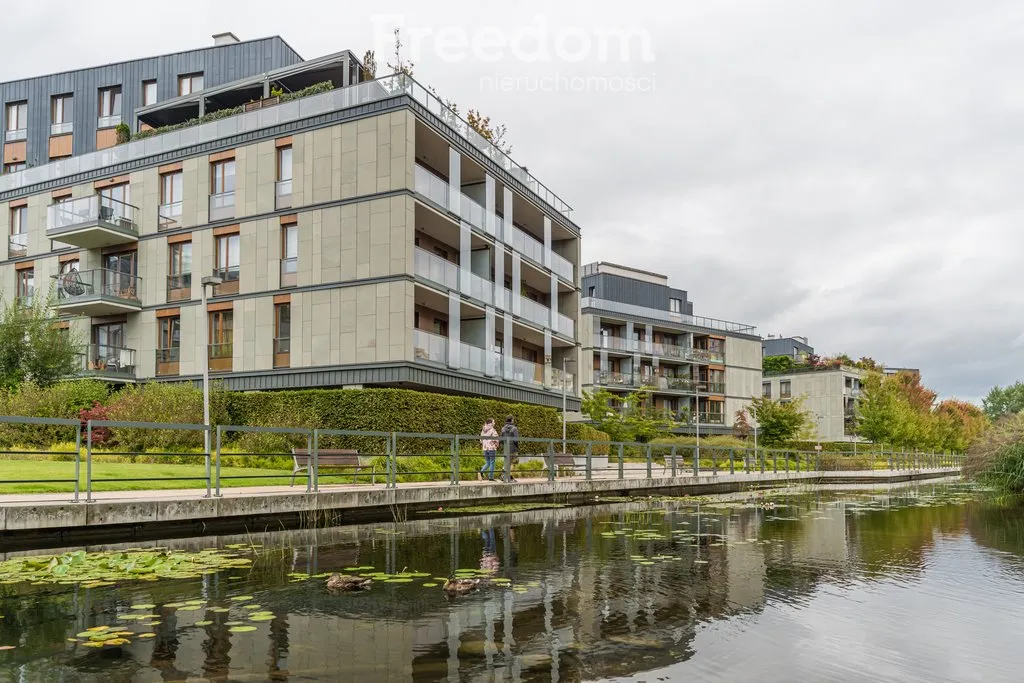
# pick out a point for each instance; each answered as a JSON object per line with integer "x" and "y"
{"x": 143, "y": 607}
{"x": 242, "y": 629}
{"x": 430, "y": 584}
{"x": 203, "y": 623}
{"x": 399, "y": 580}
{"x": 251, "y": 607}
{"x": 190, "y": 608}
{"x": 241, "y": 598}
{"x": 219, "y": 610}
{"x": 262, "y": 617}
{"x": 146, "y": 635}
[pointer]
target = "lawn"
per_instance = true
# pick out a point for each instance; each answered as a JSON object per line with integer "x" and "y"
{"x": 148, "y": 476}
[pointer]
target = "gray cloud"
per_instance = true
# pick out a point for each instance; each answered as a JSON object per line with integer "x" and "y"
{"x": 846, "y": 171}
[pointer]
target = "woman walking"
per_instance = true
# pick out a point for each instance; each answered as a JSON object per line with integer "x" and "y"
{"x": 490, "y": 447}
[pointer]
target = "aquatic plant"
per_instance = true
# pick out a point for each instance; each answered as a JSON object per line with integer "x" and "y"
{"x": 97, "y": 569}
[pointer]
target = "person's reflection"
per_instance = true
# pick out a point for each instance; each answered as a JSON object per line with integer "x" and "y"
{"x": 489, "y": 559}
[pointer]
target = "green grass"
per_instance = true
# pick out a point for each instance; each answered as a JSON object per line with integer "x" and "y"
{"x": 150, "y": 476}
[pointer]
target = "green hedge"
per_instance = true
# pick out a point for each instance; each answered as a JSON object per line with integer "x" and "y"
{"x": 63, "y": 400}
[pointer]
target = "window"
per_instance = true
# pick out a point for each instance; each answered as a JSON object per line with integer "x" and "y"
{"x": 784, "y": 389}
{"x": 591, "y": 291}
{"x": 170, "y": 200}
{"x": 282, "y": 335}
{"x": 110, "y": 107}
{"x": 223, "y": 177}
{"x": 115, "y": 195}
{"x": 14, "y": 168}
{"x": 179, "y": 279}
{"x": 119, "y": 275}
{"x": 17, "y": 121}
{"x": 71, "y": 266}
{"x": 26, "y": 286}
{"x": 61, "y": 114}
{"x": 289, "y": 255}
{"x": 190, "y": 83}
{"x": 19, "y": 220}
{"x": 441, "y": 327}
{"x": 168, "y": 345}
{"x": 675, "y": 305}
{"x": 221, "y": 327}
{"x": 148, "y": 93}
{"x": 226, "y": 258}
{"x": 108, "y": 352}
{"x": 284, "y": 163}
{"x": 766, "y": 389}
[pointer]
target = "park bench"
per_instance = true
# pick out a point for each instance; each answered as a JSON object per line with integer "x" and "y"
{"x": 567, "y": 461}
{"x": 335, "y": 459}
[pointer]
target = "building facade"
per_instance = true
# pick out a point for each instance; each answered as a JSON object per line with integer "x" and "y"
{"x": 361, "y": 236}
{"x": 641, "y": 333}
{"x": 830, "y": 397}
{"x": 57, "y": 116}
{"x": 796, "y": 348}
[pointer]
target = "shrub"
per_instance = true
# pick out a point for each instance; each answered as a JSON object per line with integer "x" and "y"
{"x": 835, "y": 462}
{"x": 717, "y": 442}
{"x": 160, "y": 402}
{"x": 997, "y": 458}
{"x": 63, "y": 400}
{"x": 100, "y": 435}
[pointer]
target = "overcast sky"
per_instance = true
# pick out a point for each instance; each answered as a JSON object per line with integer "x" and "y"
{"x": 842, "y": 170}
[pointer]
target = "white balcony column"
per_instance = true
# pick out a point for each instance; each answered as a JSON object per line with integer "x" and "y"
{"x": 548, "y": 374}
{"x": 465, "y": 256}
{"x": 506, "y": 351}
{"x": 499, "y": 276}
{"x": 507, "y": 205}
{"x": 489, "y": 204}
{"x": 454, "y": 181}
{"x": 490, "y": 362}
{"x": 454, "y": 329}
{"x": 547, "y": 242}
{"x": 517, "y": 282}
{"x": 649, "y": 334}
{"x": 554, "y": 324}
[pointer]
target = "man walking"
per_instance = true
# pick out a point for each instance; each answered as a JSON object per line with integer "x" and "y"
{"x": 510, "y": 435}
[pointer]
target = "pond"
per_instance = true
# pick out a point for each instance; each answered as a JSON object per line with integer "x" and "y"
{"x": 918, "y": 583}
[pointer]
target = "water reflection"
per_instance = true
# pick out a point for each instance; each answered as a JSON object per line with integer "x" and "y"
{"x": 658, "y": 588}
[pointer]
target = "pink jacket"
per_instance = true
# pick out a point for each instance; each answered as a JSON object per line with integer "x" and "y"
{"x": 489, "y": 444}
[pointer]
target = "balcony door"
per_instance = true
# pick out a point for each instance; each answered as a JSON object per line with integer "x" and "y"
{"x": 108, "y": 340}
{"x": 119, "y": 274}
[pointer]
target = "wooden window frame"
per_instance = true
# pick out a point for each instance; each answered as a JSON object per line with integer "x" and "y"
{"x": 113, "y": 90}
{"x": 16, "y": 107}
{"x": 167, "y": 183}
{"x": 22, "y": 212}
{"x": 218, "y": 333}
{"x": 229, "y": 286}
{"x": 145, "y": 84}
{"x": 22, "y": 276}
{"x": 282, "y": 359}
{"x": 280, "y": 151}
{"x": 165, "y": 342}
{"x": 217, "y": 169}
{"x": 175, "y": 268}
{"x": 190, "y": 78}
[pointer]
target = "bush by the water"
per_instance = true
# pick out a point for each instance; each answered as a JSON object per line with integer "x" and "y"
{"x": 64, "y": 400}
{"x": 997, "y": 458}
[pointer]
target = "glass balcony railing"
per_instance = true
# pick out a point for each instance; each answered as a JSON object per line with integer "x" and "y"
{"x": 429, "y": 347}
{"x": 179, "y": 287}
{"x": 617, "y": 379}
{"x": 566, "y": 325}
{"x": 525, "y": 244}
{"x": 562, "y": 267}
{"x": 658, "y": 349}
{"x": 91, "y": 222}
{"x": 712, "y": 418}
{"x": 562, "y": 380}
{"x": 221, "y": 356}
{"x": 534, "y": 312}
{"x": 61, "y": 128}
{"x": 167, "y": 361}
{"x": 222, "y": 206}
{"x": 230, "y": 277}
{"x": 108, "y": 361}
{"x": 480, "y": 289}
{"x": 283, "y": 194}
{"x": 428, "y": 184}
{"x": 289, "y": 271}
{"x": 658, "y": 314}
{"x": 712, "y": 387}
{"x": 108, "y": 121}
{"x": 17, "y": 245}
{"x": 436, "y": 269}
{"x": 16, "y": 134}
{"x": 96, "y": 292}
{"x": 168, "y": 216}
{"x": 473, "y": 213}
{"x": 524, "y": 371}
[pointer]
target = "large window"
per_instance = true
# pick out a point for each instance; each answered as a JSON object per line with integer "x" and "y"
{"x": 282, "y": 335}
{"x": 289, "y": 255}
{"x": 168, "y": 345}
{"x": 766, "y": 389}
{"x": 26, "y": 286}
{"x": 179, "y": 278}
{"x": 190, "y": 83}
{"x": 110, "y": 107}
{"x": 61, "y": 114}
{"x": 114, "y": 196}
{"x": 17, "y": 121}
{"x": 284, "y": 163}
{"x": 222, "y": 178}
{"x": 226, "y": 258}
{"x": 785, "y": 390}
{"x": 148, "y": 93}
{"x": 18, "y": 243}
{"x": 675, "y": 305}
{"x": 221, "y": 334}
{"x": 119, "y": 275}
{"x": 170, "y": 200}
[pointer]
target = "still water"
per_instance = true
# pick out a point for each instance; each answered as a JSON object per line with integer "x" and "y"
{"x": 921, "y": 583}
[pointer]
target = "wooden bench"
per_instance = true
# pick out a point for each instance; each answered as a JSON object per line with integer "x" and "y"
{"x": 335, "y": 459}
{"x": 567, "y": 460}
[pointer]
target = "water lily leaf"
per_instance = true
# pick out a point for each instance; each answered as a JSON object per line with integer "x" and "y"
{"x": 203, "y": 623}
{"x": 242, "y": 629}
{"x": 174, "y": 605}
{"x": 251, "y": 607}
{"x": 430, "y": 584}
{"x": 262, "y": 617}
{"x": 240, "y": 598}
{"x": 233, "y": 623}
{"x": 92, "y": 644}
{"x": 147, "y": 607}
{"x": 399, "y": 580}
{"x": 147, "y": 635}
{"x": 190, "y": 608}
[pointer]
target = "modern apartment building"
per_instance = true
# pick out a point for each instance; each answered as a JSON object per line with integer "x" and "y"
{"x": 362, "y": 235}
{"x": 66, "y": 114}
{"x": 796, "y": 348}
{"x": 830, "y": 396}
{"x": 641, "y": 333}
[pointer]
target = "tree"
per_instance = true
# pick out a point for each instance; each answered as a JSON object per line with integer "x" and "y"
{"x": 882, "y": 413}
{"x": 779, "y": 422}
{"x": 629, "y": 418}
{"x": 776, "y": 363}
{"x": 961, "y": 424}
{"x": 1000, "y": 401}
{"x": 369, "y": 66}
{"x": 741, "y": 424}
{"x": 32, "y": 347}
{"x": 400, "y": 66}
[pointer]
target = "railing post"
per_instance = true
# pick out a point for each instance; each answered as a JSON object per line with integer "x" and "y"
{"x": 787, "y": 462}
{"x": 714, "y": 462}
{"x": 889, "y": 458}
{"x": 673, "y": 456}
{"x": 393, "y": 462}
{"x": 732, "y": 461}
{"x": 590, "y": 453}
{"x": 649, "y": 470}
{"x": 696, "y": 462}
{"x": 775, "y": 462}
{"x": 88, "y": 462}
{"x": 206, "y": 458}
{"x": 762, "y": 460}
{"x": 78, "y": 460}
{"x": 506, "y": 465}
{"x": 551, "y": 460}
{"x": 455, "y": 460}
{"x": 622, "y": 461}
{"x": 313, "y": 449}
{"x": 217, "y": 462}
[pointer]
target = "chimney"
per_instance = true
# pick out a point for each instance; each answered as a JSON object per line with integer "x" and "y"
{"x": 225, "y": 39}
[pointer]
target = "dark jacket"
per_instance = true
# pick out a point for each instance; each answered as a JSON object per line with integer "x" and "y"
{"x": 511, "y": 432}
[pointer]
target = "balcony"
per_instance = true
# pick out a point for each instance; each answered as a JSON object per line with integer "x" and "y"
{"x": 562, "y": 267}
{"x": 524, "y": 371}
{"x": 431, "y": 186}
{"x": 168, "y": 216}
{"x": 429, "y": 347}
{"x": 712, "y": 387}
{"x": 92, "y": 222}
{"x": 229, "y": 277}
{"x": 617, "y": 379}
{"x": 17, "y": 245}
{"x": 562, "y": 381}
{"x": 705, "y": 356}
{"x": 524, "y": 244}
{"x": 179, "y": 287}
{"x": 282, "y": 352}
{"x": 476, "y": 215}
{"x": 712, "y": 418}
{"x": 222, "y": 206}
{"x": 667, "y": 316}
{"x": 566, "y": 326}
{"x": 220, "y": 356}
{"x": 289, "y": 272}
{"x": 534, "y": 312}
{"x": 283, "y": 194}
{"x": 168, "y": 361}
{"x": 108, "y": 362}
{"x": 661, "y": 350}
{"x": 479, "y": 360}
{"x": 436, "y": 269}
{"x": 616, "y": 344}
{"x": 97, "y": 292}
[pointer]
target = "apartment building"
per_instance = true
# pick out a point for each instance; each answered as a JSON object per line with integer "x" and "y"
{"x": 641, "y": 333}
{"x": 830, "y": 396}
{"x": 360, "y": 235}
{"x": 796, "y": 348}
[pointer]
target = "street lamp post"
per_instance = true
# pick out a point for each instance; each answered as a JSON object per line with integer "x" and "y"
{"x": 209, "y": 280}
{"x": 564, "y": 400}
{"x": 696, "y": 388}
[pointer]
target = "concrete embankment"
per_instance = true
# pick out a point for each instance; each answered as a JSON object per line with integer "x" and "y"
{"x": 51, "y": 520}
